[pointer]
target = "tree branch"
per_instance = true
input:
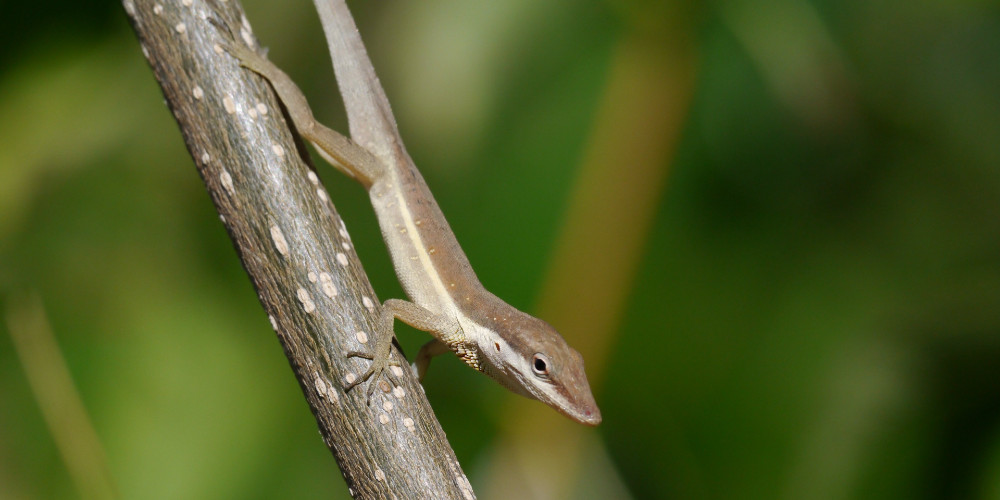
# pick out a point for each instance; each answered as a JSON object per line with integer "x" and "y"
{"x": 296, "y": 251}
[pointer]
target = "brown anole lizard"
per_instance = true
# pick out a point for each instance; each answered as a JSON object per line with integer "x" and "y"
{"x": 521, "y": 352}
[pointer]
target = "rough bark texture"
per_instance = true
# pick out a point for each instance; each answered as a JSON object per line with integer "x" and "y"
{"x": 296, "y": 251}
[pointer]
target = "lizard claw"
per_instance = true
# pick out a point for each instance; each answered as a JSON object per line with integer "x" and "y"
{"x": 247, "y": 57}
{"x": 381, "y": 357}
{"x": 375, "y": 372}
{"x": 376, "y": 369}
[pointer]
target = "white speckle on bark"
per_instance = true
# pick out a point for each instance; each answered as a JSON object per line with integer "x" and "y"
{"x": 157, "y": 9}
{"x": 362, "y": 337}
{"x": 307, "y": 303}
{"x": 274, "y": 323}
{"x": 320, "y": 385}
{"x": 398, "y": 392}
{"x": 180, "y": 28}
{"x": 312, "y": 178}
{"x": 227, "y": 182}
{"x": 197, "y": 92}
{"x": 227, "y": 102}
{"x": 326, "y": 283}
{"x": 279, "y": 240}
{"x": 342, "y": 259}
{"x": 367, "y": 303}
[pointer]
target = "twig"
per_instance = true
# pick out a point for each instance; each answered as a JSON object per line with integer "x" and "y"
{"x": 57, "y": 396}
{"x": 296, "y": 251}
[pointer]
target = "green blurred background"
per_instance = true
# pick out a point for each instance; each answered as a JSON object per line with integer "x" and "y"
{"x": 772, "y": 227}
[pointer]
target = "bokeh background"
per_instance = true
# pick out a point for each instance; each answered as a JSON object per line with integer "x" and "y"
{"x": 773, "y": 229}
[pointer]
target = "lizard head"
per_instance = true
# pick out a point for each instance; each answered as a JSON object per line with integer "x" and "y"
{"x": 529, "y": 357}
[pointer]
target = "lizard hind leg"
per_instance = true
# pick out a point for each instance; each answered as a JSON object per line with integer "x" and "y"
{"x": 346, "y": 155}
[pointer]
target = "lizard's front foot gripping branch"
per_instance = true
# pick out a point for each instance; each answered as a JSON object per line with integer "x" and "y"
{"x": 380, "y": 358}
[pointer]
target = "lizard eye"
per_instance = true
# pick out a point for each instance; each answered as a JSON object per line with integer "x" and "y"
{"x": 540, "y": 364}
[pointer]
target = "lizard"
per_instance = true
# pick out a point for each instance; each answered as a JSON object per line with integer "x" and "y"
{"x": 522, "y": 353}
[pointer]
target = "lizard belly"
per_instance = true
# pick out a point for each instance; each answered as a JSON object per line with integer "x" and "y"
{"x": 409, "y": 229}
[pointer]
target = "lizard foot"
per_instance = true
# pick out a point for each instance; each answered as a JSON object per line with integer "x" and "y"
{"x": 381, "y": 357}
{"x": 377, "y": 369}
{"x": 248, "y": 57}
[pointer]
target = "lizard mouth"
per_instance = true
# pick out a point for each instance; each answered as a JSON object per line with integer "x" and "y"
{"x": 590, "y": 416}
{"x": 587, "y": 414}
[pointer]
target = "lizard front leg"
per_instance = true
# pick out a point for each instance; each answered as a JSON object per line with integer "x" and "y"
{"x": 441, "y": 327}
{"x": 432, "y": 348}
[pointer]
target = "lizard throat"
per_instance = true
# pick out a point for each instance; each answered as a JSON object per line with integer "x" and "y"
{"x": 463, "y": 348}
